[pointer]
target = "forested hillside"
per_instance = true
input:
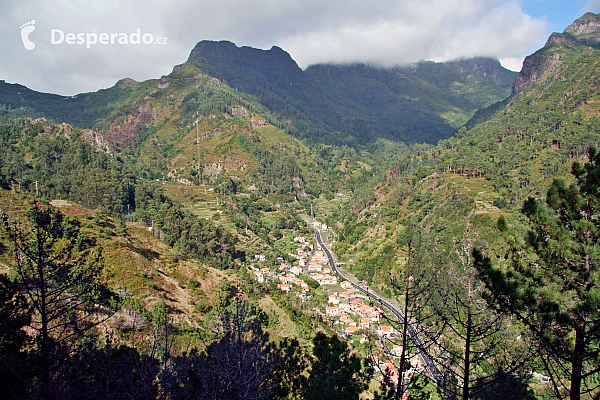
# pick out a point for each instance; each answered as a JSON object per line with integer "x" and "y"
{"x": 424, "y": 102}
{"x": 499, "y": 163}
{"x": 471, "y": 192}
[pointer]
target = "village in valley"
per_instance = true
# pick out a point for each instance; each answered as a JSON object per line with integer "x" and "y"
{"x": 348, "y": 311}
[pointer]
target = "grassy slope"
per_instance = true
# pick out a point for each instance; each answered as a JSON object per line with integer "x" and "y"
{"x": 137, "y": 263}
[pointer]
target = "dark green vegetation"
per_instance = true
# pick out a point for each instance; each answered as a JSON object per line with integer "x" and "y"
{"x": 56, "y": 162}
{"x": 420, "y": 103}
{"x": 481, "y": 178}
{"x": 241, "y": 141}
{"x": 341, "y": 104}
{"x": 551, "y": 281}
{"x": 58, "y": 278}
{"x": 483, "y": 173}
{"x": 60, "y": 293}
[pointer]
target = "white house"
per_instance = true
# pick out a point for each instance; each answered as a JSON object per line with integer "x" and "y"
{"x": 346, "y": 285}
{"x": 350, "y": 330}
{"x": 260, "y": 277}
{"x": 329, "y": 280}
{"x": 365, "y": 323}
{"x": 332, "y": 311}
{"x": 317, "y": 277}
{"x": 284, "y": 288}
{"x": 314, "y": 267}
{"x": 386, "y": 331}
{"x": 345, "y": 307}
{"x": 396, "y": 350}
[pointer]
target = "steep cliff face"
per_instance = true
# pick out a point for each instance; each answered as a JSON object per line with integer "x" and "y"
{"x": 536, "y": 67}
{"x": 584, "y": 32}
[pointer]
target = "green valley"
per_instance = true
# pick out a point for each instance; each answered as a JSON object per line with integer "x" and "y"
{"x": 180, "y": 215}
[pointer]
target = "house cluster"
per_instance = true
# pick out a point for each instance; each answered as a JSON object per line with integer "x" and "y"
{"x": 289, "y": 275}
{"x": 318, "y": 270}
{"x": 388, "y": 367}
{"x": 414, "y": 360}
{"x": 289, "y": 278}
{"x": 263, "y": 275}
{"x": 313, "y": 262}
{"x": 350, "y": 311}
{"x": 286, "y": 275}
{"x": 346, "y": 307}
{"x": 303, "y": 251}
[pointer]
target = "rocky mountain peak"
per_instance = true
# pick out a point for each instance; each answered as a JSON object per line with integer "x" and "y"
{"x": 210, "y": 53}
{"x": 546, "y": 61}
{"x": 586, "y": 25}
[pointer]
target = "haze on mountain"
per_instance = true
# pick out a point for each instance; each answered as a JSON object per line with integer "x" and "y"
{"x": 420, "y": 103}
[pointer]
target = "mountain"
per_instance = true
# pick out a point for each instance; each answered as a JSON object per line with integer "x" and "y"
{"x": 558, "y": 50}
{"x": 489, "y": 170}
{"x": 224, "y": 128}
{"x": 184, "y": 130}
{"x": 233, "y": 115}
{"x": 343, "y": 104}
{"x": 418, "y": 103}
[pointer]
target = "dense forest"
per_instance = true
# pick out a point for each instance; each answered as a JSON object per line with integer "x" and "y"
{"x": 63, "y": 165}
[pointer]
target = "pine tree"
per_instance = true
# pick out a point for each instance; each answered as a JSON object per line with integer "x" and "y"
{"x": 335, "y": 372}
{"x": 416, "y": 298}
{"x": 479, "y": 345}
{"x": 241, "y": 363}
{"x": 59, "y": 283}
{"x": 552, "y": 280}
{"x": 14, "y": 315}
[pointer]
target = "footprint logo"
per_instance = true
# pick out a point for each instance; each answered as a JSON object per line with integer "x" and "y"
{"x": 26, "y": 29}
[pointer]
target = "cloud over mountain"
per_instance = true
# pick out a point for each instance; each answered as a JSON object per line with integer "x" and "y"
{"x": 386, "y": 33}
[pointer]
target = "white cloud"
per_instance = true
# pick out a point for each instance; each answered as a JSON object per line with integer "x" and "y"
{"x": 386, "y": 32}
{"x": 439, "y": 30}
{"x": 512, "y": 63}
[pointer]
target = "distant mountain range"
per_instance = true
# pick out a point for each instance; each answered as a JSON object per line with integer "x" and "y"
{"x": 423, "y": 102}
{"x": 341, "y": 104}
{"x": 251, "y": 99}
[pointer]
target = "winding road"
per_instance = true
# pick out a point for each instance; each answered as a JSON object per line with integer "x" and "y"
{"x": 430, "y": 365}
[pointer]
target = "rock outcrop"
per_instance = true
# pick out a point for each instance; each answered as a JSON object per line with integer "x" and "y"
{"x": 585, "y": 31}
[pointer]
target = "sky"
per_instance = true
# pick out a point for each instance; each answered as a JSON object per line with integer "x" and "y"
{"x": 74, "y": 46}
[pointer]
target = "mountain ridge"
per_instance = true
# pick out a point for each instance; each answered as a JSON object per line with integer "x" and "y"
{"x": 337, "y": 96}
{"x": 585, "y": 31}
{"x": 327, "y": 103}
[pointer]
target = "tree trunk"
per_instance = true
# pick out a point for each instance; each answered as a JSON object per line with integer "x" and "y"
{"x": 577, "y": 362}
{"x": 45, "y": 345}
{"x": 465, "y": 395}
{"x": 401, "y": 388}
